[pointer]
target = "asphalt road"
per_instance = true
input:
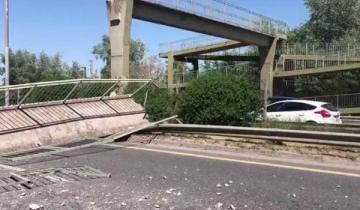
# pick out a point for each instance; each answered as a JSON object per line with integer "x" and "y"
{"x": 151, "y": 180}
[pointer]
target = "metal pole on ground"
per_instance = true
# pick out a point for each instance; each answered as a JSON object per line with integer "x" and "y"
{"x": 7, "y": 51}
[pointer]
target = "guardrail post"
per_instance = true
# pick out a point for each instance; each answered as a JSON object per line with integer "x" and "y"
{"x": 25, "y": 97}
{"x": 108, "y": 91}
{"x": 71, "y": 91}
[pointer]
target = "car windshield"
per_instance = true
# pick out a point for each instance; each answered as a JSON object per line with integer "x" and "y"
{"x": 329, "y": 107}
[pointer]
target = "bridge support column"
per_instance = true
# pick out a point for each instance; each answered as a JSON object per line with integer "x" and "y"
{"x": 267, "y": 59}
{"x": 170, "y": 70}
{"x": 195, "y": 64}
{"x": 120, "y": 14}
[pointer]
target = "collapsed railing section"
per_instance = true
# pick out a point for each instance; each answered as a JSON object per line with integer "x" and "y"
{"x": 48, "y": 103}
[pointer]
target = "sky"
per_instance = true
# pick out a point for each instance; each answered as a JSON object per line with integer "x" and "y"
{"x": 73, "y": 27}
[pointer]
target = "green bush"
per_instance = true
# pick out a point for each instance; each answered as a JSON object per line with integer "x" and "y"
{"x": 218, "y": 99}
{"x": 160, "y": 103}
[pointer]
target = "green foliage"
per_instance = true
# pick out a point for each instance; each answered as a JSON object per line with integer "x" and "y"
{"x": 219, "y": 100}
{"x": 160, "y": 104}
{"x": 27, "y": 67}
{"x": 330, "y": 21}
{"x": 334, "y": 22}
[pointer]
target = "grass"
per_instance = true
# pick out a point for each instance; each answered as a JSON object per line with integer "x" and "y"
{"x": 305, "y": 126}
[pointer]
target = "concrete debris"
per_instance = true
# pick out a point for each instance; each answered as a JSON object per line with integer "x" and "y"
{"x": 226, "y": 185}
{"x": 179, "y": 194}
{"x": 218, "y": 185}
{"x": 219, "y": 205}
{"x": 164, "y": 177}
{"x": 157, "y": 206}
{"x": 34, "y": 206}
{"x": 230, "y": 182}
{"x": 171, "y": 190}
{"x": 232, "y": 207}
{"x": 218, "y": 193}
{"x": 123, "y": 204}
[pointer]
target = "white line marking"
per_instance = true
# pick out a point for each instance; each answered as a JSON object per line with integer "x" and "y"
{"x": 242, "y": 161}
{"x": 11, "y": 168}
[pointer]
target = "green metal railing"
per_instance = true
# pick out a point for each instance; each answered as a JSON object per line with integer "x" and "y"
{"x": 62, "y": 92}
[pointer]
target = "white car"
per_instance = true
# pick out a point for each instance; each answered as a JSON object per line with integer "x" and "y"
{"x": 303, "y": 111}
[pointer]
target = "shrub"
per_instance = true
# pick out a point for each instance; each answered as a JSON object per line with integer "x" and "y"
{"x": 160, "y": 103}
{"x": 218, "y": 99}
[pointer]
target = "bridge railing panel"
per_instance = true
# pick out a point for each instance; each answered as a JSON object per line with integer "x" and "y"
{"x": 62, "y": 92}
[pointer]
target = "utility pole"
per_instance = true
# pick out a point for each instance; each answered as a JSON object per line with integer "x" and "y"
{"x": 92, "y": 69}
{"x": 7, "y": 50}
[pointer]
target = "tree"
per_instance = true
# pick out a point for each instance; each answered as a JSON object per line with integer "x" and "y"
{"x": 219, "y": 99}
{"x": 27, "y": 67}
{"x": 330, "y": 21}
{"x": 103, "y": 51}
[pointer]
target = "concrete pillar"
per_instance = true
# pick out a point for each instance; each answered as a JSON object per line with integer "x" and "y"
{"x": 120, "y": 16}
{"x": 170, "y": 70}
{"x": 267, "y": 59}
{"x": 195, "y": 64}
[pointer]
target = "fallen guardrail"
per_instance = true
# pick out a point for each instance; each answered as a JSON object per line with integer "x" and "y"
{"x": 278, "y": 135}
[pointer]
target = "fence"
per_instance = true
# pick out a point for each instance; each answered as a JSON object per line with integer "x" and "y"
{"x": 49, "y": 103}
{"x": 184, "y": 77}
{"x": 68, "y": 91}
{"x": 320, "y": 49}
{"x": 340, "y": 101}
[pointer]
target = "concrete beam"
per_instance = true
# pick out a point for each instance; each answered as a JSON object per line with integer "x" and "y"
{"x": 170, "y": 70}
{"x": 218, "y": 58}
{"x": 205, "y": 49}
{"x": 315, "y": 71}
{"x": 163, "y": 15}
{"x": 120, "y": 16}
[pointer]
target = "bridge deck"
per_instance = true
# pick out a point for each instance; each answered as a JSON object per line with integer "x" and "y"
{"x": 190, "y": 15}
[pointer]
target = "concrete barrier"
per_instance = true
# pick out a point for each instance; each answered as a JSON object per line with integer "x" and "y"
{"x": 67, "y": 132}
